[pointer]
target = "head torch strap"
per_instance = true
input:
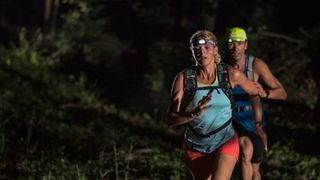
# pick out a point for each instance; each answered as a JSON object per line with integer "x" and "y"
{"x": 202, "y": 41}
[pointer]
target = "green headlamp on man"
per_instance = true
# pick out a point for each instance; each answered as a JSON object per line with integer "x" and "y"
{"x": 236, "y": 35}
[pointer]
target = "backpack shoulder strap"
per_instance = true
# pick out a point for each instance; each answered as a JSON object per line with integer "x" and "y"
{"x": 224, "y": 81}
{"x": 250, "y": 73}
{"x": 190, "y": 86}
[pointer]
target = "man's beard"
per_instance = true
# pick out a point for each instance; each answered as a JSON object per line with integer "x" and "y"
{"x": 231, "y": 60}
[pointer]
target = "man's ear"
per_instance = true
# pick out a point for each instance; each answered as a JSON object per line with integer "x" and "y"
{"x": 246, "y": 45}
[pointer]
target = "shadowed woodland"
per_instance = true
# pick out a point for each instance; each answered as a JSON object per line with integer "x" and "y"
{"x": 85, "y": 85}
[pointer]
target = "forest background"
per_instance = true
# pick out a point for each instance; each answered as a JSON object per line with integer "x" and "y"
{"x": 85, "y": 85}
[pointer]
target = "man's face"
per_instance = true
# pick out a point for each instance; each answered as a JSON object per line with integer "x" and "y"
{"x": 237, "y": 49}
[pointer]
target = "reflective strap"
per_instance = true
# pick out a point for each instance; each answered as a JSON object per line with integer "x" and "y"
{"x": 242, "y": 108}
{"x": 250, "y": 68}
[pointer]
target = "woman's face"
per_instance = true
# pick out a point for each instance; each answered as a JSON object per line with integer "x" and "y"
{"x": 204, "y": 54}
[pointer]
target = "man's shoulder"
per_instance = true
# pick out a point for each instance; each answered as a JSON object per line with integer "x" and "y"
{"x": 259, "y": 64}
{"x": 260, "y": 68}
{"x": 255, "y": 58}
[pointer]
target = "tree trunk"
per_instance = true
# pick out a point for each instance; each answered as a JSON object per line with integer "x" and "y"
{"x": 315, "y": 65}
{"x": 51, "y": 9}
{"x": 47, "y": 11}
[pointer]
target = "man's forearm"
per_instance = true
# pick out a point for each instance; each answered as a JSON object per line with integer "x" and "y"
{"x": 277, "y": 93}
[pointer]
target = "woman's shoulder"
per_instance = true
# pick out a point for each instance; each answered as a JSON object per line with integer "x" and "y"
{"x": 190, "y": 70}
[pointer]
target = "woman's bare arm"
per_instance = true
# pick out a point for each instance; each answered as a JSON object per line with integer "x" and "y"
{"x": 175, "y": 117}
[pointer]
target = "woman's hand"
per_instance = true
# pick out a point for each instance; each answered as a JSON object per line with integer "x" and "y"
{"x": 202, "y": 105}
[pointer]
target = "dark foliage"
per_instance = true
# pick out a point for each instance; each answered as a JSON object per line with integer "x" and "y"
{"x": 85, "y": 84}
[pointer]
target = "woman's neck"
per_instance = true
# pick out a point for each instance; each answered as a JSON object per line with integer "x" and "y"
{"x": 206, "y": 74}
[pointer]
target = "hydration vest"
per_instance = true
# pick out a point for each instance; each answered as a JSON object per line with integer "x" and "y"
{"x": 191, "y": 87}
{"x": 250, "y": 68}
{"x": 243, "y": 111}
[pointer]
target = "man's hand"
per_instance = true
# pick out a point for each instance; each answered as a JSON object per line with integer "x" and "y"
{"x": 260, "y": 132}
{"x": 261, "y": 91}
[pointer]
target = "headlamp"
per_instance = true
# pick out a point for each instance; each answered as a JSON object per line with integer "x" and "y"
{"x": 235, "y": 40}
{"x": 202, "y": 41}
{"x": 237, "y": 35}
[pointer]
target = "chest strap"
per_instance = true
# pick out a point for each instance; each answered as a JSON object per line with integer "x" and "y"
{"x": 210, "y": 88}
{"x": 212, "y": 132}
{"x": 242, "y": 108}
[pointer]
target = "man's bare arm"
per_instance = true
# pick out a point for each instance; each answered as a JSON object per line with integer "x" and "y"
{"x": 275, "y": 89}
{"x": 257, "y": 110}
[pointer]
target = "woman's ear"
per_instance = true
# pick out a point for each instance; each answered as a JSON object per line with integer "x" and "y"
{"x": 217, "y": 58}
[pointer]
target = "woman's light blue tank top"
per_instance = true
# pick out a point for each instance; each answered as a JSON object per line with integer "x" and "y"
{"x": 217, "y": 113}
